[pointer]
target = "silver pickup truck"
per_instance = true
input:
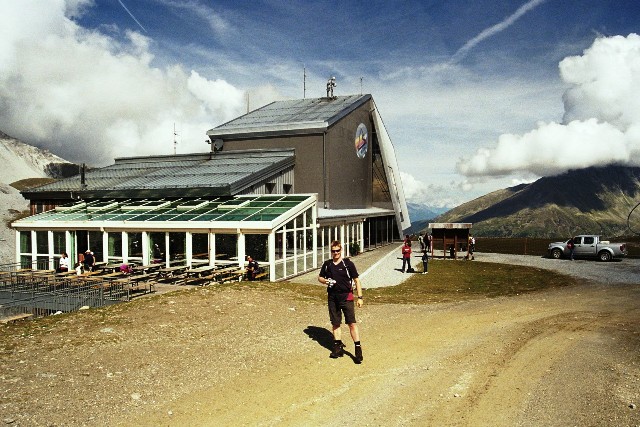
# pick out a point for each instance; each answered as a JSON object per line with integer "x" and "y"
{"x": 588, "y": 246}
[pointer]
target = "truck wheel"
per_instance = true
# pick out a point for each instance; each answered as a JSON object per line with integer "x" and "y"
{"x": 604, "y": 256}
{"x": 556, "y": 253}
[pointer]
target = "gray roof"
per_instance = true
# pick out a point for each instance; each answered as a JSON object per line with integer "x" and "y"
{"x": 300, "y": 116}
{"x": 224, "y": 173}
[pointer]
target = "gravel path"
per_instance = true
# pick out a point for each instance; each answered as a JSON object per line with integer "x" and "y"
{"x": 623, "y": 271}
{"x": 381, "y": 267}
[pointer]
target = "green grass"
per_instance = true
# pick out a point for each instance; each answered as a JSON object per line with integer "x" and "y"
{"x": 450, "y": 281}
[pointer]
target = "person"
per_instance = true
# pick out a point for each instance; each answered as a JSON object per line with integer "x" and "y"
{"x": 425, "y": 261}
{"x": 89, "y": 260}
{"x": 125, "y": 269}
{"x": 157, "y": 254}
{"x": 472, "y": 246}
{"x": 429, "y": 243}
{"x": 339, "y": 275}
{"x": 407, "y": 239}
{"x": 421, "y": 241}
{"x": 78, "y": 268}
{"x": 571, "y": 246}
{"x": 252, "y": 268}
{"x": 63, "y": 266}
{"x": 406, "y": 256}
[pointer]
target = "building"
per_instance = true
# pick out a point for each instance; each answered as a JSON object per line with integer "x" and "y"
{"x": 278, "y": 183}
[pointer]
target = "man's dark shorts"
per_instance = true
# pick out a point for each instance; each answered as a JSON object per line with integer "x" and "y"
{"x": 339, "y": 305}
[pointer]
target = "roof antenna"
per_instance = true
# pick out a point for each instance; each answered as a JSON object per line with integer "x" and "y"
{"x": 175, "y": 142}
{"x": 304, "y": 82}
{"x": 331, "y": 83}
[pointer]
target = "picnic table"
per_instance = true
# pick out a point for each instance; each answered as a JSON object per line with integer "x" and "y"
{"x": 228, "y": 273}
{"x": 167, "y": 272}
{"x": 199, "y": 272}
{"x": 143, "y": 269}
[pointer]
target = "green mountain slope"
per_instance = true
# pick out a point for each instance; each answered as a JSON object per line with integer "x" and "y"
{"x": 593, "y": 200}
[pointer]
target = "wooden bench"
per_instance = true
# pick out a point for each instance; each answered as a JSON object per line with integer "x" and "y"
{"x": 16, "y": 317}
{"x": 261, "y": 275}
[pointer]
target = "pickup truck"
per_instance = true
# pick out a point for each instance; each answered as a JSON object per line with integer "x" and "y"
{"x": 588, "y": 246}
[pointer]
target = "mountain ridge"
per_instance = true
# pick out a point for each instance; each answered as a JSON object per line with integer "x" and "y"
{"x": 592, "y": 200}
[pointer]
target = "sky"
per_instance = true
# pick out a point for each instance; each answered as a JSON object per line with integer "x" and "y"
{"x": 476, "y": 96}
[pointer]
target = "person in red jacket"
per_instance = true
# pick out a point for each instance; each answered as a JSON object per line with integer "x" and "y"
{"x": 406, "y": 256}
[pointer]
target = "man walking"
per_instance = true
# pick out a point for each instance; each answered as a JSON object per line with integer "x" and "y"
{"x": 339, "y": 274}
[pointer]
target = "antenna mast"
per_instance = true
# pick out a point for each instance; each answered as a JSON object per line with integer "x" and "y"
{"x": 304, "y": 82}
{"x": 175, "y": 141}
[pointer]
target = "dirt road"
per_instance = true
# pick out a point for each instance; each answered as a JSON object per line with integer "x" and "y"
{"x": 241, "y": 356}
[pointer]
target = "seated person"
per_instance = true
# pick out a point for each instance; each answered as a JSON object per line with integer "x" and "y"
{"x": 125, "y": 269}
{"x": 63, "y": 266}
{"x": 252, "y": 268}
{"x": 79, "y": 268}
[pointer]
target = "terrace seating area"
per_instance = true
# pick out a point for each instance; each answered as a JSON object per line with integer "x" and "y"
{"x": 50, "y": 291}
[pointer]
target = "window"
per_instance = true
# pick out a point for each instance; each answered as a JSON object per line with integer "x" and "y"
{"x": 269, "y": 187}
{"x": 588, "y": 240}
{"x": 286, "y": 188}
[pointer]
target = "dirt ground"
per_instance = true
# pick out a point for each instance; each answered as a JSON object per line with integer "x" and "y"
{"x": 239, "y": 355}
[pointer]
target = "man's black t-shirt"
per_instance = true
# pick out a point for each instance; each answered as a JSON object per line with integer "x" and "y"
{"x": 339, "y": 273}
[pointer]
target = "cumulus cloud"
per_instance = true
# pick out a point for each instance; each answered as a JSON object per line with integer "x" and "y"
{"x": 601, "y": 123}
{"x": 89, "y": 97}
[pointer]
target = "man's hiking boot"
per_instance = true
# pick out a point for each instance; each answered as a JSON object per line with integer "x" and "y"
{"x": 337, "y": 350}
{"x": 358, "y": 358}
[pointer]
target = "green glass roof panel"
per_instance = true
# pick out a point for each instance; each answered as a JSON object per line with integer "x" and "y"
{"x": 259, "y": 204}
{"x": 287, "y": 204}
{"x": 240, "y": 208}
{"x": 262, "y": 217}
{"x": 208, "y": 217}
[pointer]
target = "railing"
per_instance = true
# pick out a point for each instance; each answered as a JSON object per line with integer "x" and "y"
{"x": 28, "y": 292}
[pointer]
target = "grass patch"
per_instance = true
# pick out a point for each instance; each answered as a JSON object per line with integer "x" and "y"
{"x": 449, "y": 281}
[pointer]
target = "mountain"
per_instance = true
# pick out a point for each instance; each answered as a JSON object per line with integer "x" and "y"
{"x": 594, "y": 200}
{"x": 421, "y": 215}
{"x": 21, "y": 162}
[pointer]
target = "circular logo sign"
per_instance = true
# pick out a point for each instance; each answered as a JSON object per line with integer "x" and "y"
{"x": 362, "y": 141}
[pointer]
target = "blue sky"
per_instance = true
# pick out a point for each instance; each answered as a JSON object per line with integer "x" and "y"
{"x": 476, "y": 96}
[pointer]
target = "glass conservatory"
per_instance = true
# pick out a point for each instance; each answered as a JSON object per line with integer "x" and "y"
{"x": 279, "y": 231}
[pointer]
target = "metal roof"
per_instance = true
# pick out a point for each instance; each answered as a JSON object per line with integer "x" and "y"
{"x": 259, "y": 212}
{"x": 188, "y": 175}
{"x": 290, "y": 117}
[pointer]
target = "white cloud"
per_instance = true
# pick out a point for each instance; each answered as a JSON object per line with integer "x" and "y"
{"x": 601, "y": 120}
{"x": 89, "y": 97}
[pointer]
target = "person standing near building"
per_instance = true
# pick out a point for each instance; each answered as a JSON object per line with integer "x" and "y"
{"x": 406, "y": 257}
{"x": 339, "y": 275}
{"x": 425, "y": 261}
{"x": 421, "y": 241}
{"x": 429, "y": 243}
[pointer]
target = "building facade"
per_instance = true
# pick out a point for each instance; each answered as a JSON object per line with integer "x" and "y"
{"x": 279, "y": 184}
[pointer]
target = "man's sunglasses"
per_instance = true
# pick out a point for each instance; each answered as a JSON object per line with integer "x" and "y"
{"x": 335, "y": 251}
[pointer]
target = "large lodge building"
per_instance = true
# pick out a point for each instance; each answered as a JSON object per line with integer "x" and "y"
{"x": 279, "y": 184}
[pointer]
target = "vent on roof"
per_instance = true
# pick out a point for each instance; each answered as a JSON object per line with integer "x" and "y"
{"x": 233, "y": 204}
{"x": 70, "y": 207}
{"x": 101, "y": 206}
{"x": 192, "y": 204}
{"x": 148, "y": 206}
